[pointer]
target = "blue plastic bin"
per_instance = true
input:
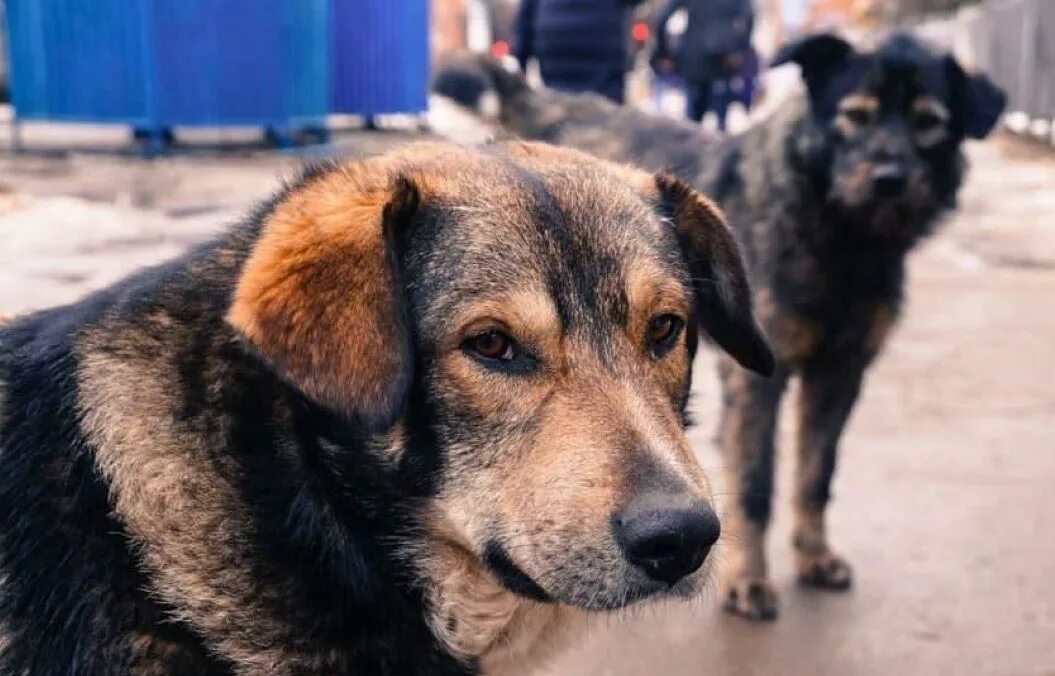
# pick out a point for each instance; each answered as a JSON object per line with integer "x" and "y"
{"x": 380, "y": 56}
{"x": 155, "y": 64}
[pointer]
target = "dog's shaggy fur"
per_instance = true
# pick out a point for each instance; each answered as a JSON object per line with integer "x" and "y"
{"x": 391, "y": 424}
{"x": 827, "y": 197}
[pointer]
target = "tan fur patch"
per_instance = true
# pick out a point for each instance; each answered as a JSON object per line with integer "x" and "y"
{"x": 476, "y": 618}
{"x": 652, "y": 292}
{"x": 810, "y": 535}
{"x": 743, "y": 555}
{"x": 391, "y": 445}
{"x": 794, "y": 338}
{"x": 931, "y": 107}
{"x": 852, "y": 107}
{"x": 187, "y": 520}
{"x": 883, "y": 319}
{"x": 528, "y": 315}
{"x": 858, "y": 180}
{"x": 866, "y": 102}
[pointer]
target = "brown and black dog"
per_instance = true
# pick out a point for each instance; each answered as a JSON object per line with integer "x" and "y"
{"x": 419, "y": 414}
{"x": 827, "y": 197}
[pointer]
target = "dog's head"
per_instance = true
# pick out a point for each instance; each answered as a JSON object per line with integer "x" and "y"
{"x": 522, "y": 319}
{"x": 890, "y": 125}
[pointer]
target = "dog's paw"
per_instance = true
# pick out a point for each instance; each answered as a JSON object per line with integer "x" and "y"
{"x": 827, "y": 571}
{"x": 752, "y": 598}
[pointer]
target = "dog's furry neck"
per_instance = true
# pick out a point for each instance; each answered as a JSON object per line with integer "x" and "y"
{"x": 481, "y": 621}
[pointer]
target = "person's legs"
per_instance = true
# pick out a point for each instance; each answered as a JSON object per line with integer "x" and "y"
{"x": 697, "y": 99}
{"x": 721, "y": 97}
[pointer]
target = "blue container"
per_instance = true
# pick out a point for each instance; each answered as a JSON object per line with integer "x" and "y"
{"x": 162, "y": 63}
{"x": 380, "y": 56}
{"x": 78, "y": 60}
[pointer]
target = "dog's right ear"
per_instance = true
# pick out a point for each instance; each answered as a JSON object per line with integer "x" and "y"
{"x": 319, "y": 296}
{"x": 723, "y": 296}
{"x": 818, "y": 56}
{"x": 977, "y": 102}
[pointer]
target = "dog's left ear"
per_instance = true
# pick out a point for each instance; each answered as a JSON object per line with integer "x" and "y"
{"x": 718, "y": 276}
{"x": 818, "y": 56}
{"x": 320, "y": 298}
{"x": 977, "y": 102}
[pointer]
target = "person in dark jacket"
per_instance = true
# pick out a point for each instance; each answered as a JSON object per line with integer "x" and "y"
{"x": 580, "y": 45}
{"x": 714, "y": 47}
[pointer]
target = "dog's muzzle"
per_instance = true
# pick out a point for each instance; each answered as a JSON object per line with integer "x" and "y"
{"x": 889, "y": 179}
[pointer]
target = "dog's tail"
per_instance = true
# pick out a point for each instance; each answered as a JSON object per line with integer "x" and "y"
{"x": 478, "y": 82}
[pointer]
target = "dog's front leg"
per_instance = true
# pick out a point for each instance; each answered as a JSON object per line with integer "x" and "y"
{"x": 827, "y": 397}
{"x": 748, "y": 425}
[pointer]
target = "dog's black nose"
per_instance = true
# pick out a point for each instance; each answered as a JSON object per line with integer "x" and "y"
{"x": 665, "y": 538}
{"x": 889, "y": 179}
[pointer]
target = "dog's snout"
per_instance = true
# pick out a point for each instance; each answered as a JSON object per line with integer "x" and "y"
{"x": 666, "y": 538}
{"x": 889, "y": 178}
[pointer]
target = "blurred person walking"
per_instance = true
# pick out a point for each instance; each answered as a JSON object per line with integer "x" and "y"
{"x": 580, "y": 45}
{"x": 738, "y": 87}
{"x": 713, "y": 53}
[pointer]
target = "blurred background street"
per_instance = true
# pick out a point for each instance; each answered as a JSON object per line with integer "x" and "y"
{"x": 943, "y": 498}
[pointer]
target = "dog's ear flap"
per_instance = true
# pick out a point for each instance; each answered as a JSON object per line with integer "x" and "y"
{"x": 722, "y": 291}
{"x": 977, "y": 102}
{"x": 320, "y": 298}
{"x": 818, "y": 56}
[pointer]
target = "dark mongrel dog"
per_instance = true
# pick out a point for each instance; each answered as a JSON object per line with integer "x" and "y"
{"x": 416, "y": 416}
{"x": 827, "y": 197}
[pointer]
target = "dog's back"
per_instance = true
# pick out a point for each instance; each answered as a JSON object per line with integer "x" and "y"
{"x": 69, "y": 580}
{"x": 585, "y": 121}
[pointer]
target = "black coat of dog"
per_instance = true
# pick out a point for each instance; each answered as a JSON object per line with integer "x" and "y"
{"x": 827, "y": 197}
{"x": 419, "y": 414}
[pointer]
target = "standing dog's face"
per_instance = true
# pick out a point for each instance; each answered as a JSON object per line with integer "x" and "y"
{"x": 894, "y": 120}
{"x": 519, "y": 323}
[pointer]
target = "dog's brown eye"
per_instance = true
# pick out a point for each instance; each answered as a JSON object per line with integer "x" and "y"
{"x": 859, "y": 116}
{"x": 662, "y": 332}
{"x": 926, "y": 121}
{"x": 492, "y": 344}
